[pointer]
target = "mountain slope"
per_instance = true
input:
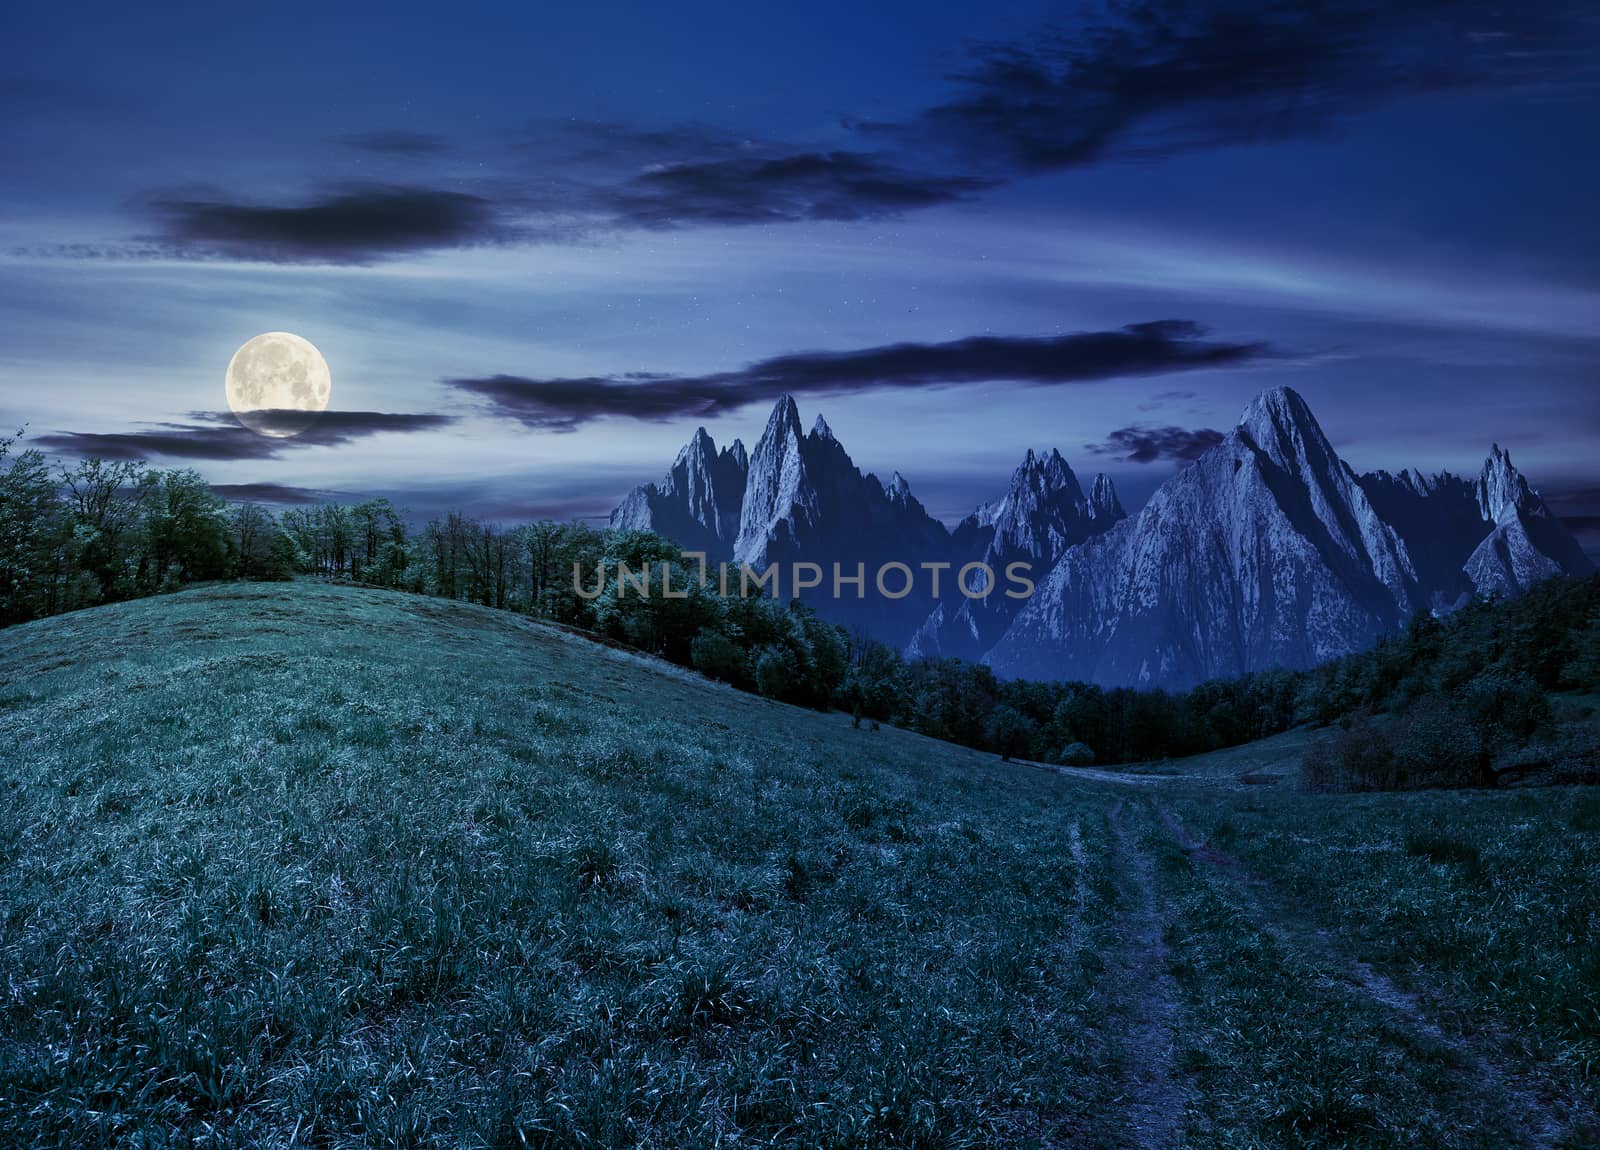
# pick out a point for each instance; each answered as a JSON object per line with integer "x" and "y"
{"x": 330, "y": 866}
{"x": 1269, "y": 551}
{"x": 1265, "y": 552}
{"x": 1043, "y": 512}
{"x": 699, "y": 502}
{"x": 1527, "y": 544}
{"x": 337, "y": 866}
{"x": 1493, "y": 536}
{"x": 806, "y": 501}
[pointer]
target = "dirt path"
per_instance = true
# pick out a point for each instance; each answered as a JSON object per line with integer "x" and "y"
{"x": 1094, "y": 775}
{"x": 1146, "y": 996}
{"x": 1490, "y": 1083}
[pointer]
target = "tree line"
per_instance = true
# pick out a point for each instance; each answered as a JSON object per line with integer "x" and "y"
{"x": 1492, "y": 693}
{"x": 99, "y": 532}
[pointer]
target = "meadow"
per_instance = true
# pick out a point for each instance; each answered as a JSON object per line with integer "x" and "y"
{"x": 320, "y": 866}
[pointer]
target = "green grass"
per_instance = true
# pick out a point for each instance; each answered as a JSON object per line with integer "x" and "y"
{"x": 1486, "y": 906}
{"x": 322, "y": 866}
{"x": 1273, "y": 761}
{"x": 393, "y": 871}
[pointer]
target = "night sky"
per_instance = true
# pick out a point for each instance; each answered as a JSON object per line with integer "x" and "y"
{"x": 538, "y": 247}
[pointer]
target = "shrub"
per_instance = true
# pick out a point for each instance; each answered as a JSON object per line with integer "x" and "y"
{"x": 717, "y": 656}
{"x": 1358, "y": 758}
{"x": 775, "y": 671}
{"x": 1076, "y": 755}
{"x": 1434, "y": 746}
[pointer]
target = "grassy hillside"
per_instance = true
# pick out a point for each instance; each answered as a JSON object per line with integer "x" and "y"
{"x": 313, "y": 866}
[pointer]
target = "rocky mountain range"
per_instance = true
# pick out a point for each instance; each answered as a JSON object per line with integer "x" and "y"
{"x": 798, "y": 498}
{"x": 1042, "y": 514}
{"x": 1267, "y": 551}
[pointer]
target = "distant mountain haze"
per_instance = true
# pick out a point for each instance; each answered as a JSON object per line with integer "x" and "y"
{"x": 1267, "y": 551}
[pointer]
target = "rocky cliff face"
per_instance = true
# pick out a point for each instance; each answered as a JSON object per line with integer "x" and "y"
{"x": 1525, "y": 544}
{"x": 805, "y": 501}
{"x": 1492, "y": 536}
{"x": 1043, "y": 512}
{"x": 1270, "y": 552}
{"x": 698, "y": 504}
{"x": 1265, "y": 552}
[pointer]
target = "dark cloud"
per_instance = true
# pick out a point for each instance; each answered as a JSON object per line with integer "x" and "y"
{"x": 279, "y": 494}
{"x": 353, "y": 226}
{"x": 839, "y": 185}
{"x": 397, "y": 143}
{"x": 217, "y": 436}
{"x": 1141, "y": 444}
{"x": 1140, "y": 349}
{"x": 619, "y": 176}
{"x": 1160, "y": 76}
{"x": 1147, "y": 78}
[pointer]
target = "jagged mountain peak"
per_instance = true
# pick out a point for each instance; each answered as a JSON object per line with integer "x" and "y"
{"x": 1281, "y": 405}
{"x": 785, "y": 417}
{"x": 1502, "y": 491}
{"x": 698, "y": 503}
{"x": 700, "y": 447}
{"x": 1041, "y": 515}
{"x": 1280, "y": 424}
{"x": 1268, "y": 550}
{"x": 1103, "y": 501}
{"x": 1044, "y": 473}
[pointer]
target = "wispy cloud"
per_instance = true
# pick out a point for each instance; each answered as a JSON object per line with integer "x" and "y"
{"x": 1154, "y": 77}
{"x": 277, "y": 494}
{"x": 837, "y": 185}
{"x": 1147, "y": 78}
{"x": 216, "y": 436}
{"x": 1156, "y": 348}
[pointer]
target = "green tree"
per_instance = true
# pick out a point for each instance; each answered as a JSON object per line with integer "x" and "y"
{"x": 186, "y": 530}
{"x": 717, "y": 656}
{"x": 775, "y": 671}
{"x": 254, "y": 532}
{"x": 1076, "y": 755}
{"x": 33, "y": 537}
{"x": 1010, "y": 732}
{"x": 108, "y": 521}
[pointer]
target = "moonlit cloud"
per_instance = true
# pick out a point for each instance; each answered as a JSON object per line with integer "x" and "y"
{"x": 1154, "y": 348}
{"x": 217, "y": 436}
{"x": 1393, "y": 200}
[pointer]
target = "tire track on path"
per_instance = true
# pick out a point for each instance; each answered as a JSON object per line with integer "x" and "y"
{"x": 1152, "y": 1099}
{"x": 1488, "y": 1077}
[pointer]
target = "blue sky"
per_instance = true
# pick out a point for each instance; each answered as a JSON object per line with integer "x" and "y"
{"x": 940, "y": 222}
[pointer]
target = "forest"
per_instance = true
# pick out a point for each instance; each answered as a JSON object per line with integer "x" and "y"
{"x": 1457, "y": 699}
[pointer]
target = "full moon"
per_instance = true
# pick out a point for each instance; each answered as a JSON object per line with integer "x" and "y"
{"x": 277, "y": 384}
